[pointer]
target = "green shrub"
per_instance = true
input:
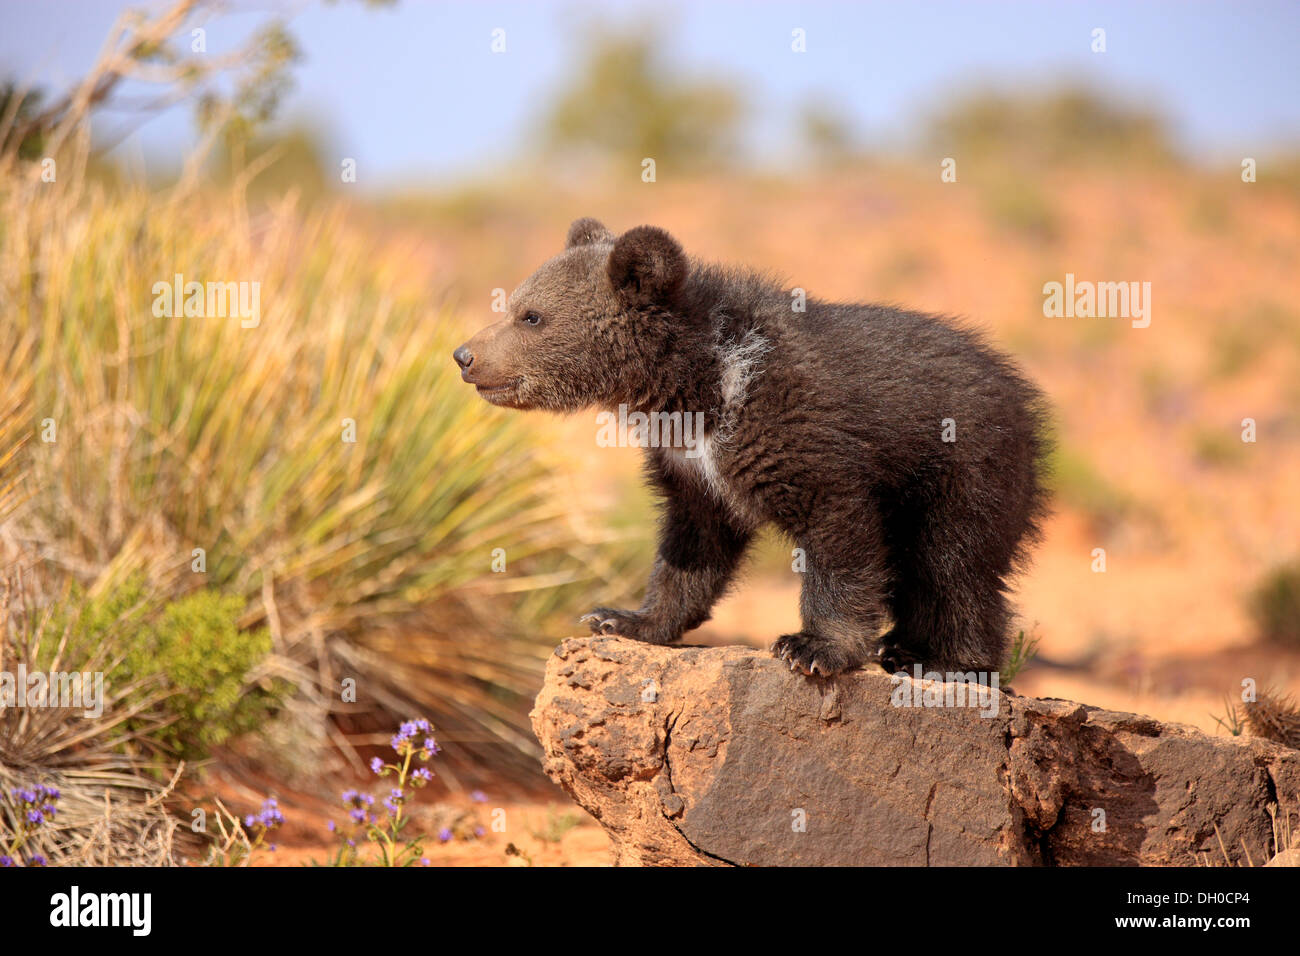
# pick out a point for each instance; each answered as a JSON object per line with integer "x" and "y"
{"x": 205, "y": 661}
{"x": 185, "y": 664}
{"x": 1275, "y": 606}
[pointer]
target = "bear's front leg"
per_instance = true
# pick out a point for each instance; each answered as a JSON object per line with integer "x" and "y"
{"x": 699, "y": 550}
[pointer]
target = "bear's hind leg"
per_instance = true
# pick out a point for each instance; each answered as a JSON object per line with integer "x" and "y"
{"x": 841, "y": 606}
{"x": 947, "y": 626}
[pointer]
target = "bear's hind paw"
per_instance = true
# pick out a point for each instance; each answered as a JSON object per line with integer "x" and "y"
{"x": 813, "y": 655}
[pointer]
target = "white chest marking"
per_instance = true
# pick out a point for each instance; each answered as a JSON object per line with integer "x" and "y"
{"x": 740, "y": 364}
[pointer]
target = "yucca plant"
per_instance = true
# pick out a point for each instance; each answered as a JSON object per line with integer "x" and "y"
{"x": 323, "y": 466}
{"x": 150, "y": 436}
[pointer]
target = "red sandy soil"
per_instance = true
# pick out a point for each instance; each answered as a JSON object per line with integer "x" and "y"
{"x": 585, "y": 844}
{"x": 538, "y": 828}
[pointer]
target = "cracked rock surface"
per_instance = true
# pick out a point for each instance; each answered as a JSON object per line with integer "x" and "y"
{"x": 722, "y": 756}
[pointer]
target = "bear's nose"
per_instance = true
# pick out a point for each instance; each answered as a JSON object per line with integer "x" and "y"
{"x": 464, "y": 358}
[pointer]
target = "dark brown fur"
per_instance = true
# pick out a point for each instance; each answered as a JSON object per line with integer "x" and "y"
{"x": 834, "y": 437}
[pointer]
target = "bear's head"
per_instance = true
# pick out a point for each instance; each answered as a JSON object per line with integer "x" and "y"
{"x": 591, "y": 327}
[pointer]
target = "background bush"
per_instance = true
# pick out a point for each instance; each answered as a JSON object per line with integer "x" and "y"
{"x": 1275, "y": 606}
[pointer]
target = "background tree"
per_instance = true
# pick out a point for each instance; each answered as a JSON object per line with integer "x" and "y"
{"x": 624, "y": 104}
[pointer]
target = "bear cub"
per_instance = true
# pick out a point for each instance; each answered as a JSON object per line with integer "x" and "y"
{"x": 900, "y": 453}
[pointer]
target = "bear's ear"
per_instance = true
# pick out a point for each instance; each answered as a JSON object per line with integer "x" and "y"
{"x": 647, "y": 265}
{"x": 585, "y": 232}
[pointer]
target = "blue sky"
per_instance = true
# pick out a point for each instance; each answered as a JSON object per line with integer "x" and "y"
{"x": 413, "y": 91}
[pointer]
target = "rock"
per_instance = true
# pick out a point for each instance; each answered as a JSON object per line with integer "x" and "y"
{"x": 722, "y": 756}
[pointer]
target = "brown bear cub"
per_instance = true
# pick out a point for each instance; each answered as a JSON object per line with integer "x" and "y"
{"x": 900, "y": 454}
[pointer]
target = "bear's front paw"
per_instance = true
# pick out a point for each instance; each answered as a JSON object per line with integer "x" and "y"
{"x": 634, "y": 624}
{"x": 812, "y": 655}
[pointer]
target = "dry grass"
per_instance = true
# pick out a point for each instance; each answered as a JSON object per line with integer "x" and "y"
{"x": 111, "y": 810}
{"x": 103, "y": 820}
{"x": 1274, "y": 717}
{"x": 1283, "y": 849}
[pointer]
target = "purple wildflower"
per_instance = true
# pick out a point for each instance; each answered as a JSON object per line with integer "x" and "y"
{"x": 35, "y": 805}
{"x": 270, "y": 816}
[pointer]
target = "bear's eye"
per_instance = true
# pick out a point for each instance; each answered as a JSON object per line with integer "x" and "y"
{"x": 531, "y": 318}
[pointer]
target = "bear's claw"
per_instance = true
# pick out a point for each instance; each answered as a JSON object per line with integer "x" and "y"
{"x": 599, "y": 624}
{"x": 811, "y": 655}
{"x": 638, "y": 625}
{"x": 893, "y": 658}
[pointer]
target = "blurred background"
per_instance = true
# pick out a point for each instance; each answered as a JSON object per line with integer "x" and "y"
{"x": 181, "y": 505}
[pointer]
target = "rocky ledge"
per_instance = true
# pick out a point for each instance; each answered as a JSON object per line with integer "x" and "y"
{"x": 722, "y": 756}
